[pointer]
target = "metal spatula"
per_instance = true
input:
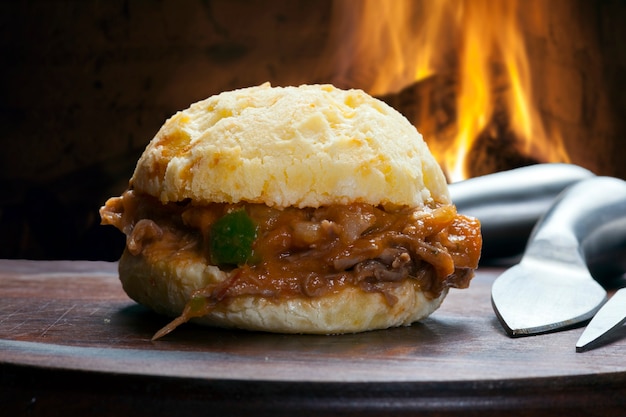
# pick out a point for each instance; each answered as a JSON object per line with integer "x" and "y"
{"x": 552, "y": 287}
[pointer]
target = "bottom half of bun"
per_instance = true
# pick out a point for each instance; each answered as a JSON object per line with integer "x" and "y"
{"x": 165, "y": 285}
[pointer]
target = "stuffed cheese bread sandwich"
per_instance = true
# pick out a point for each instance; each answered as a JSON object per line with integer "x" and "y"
{"x": 305, "y": 209}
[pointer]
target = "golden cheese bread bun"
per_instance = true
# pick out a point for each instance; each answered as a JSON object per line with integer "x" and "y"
{"x": 304, "y": 146}
{"x": 303, "y": 209}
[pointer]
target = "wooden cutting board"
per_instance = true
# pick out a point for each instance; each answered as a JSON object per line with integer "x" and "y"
{"x": 71, "y": 340}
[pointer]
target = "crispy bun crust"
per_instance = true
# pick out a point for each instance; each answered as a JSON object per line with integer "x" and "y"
{"x": 305, "y": 146}
{"x": 165, "y": 285}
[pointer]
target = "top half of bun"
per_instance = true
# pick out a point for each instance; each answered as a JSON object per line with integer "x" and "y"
{"x": 305, "y": 146}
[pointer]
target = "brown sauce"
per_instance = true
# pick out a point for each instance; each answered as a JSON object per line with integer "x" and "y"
{"x": 313, "y": 251}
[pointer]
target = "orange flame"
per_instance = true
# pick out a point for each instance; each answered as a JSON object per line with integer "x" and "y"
{"x": 393, "y": 44}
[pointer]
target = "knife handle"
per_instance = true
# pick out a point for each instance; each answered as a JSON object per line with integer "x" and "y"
{"x": 509, "y": 203}
{"x": 589, "y": 217}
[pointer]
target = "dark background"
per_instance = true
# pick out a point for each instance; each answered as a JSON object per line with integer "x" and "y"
{"x": 86, "y": 84}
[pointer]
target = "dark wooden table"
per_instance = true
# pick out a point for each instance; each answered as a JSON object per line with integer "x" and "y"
{"x": 72, "y": 343}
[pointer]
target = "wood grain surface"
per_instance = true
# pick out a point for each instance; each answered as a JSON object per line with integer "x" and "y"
{"x": 71, "y": 341}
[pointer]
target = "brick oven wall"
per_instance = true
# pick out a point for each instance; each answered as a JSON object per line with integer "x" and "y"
{"x": 577, "y": 51}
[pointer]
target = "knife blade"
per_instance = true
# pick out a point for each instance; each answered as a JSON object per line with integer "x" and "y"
{"x": 607, "y": 321}
{"x": 552, "y": 288}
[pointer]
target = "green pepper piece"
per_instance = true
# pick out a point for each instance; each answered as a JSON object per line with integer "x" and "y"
{"x": 231, "y": 239}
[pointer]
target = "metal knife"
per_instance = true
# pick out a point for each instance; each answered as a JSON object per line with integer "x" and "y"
{"x": 509, "y": 203}
{"x": 607, "y": 321}
{"x": 552, "y": 287}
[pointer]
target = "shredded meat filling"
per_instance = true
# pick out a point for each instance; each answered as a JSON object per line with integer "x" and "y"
{"x": 314, "y": 251}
